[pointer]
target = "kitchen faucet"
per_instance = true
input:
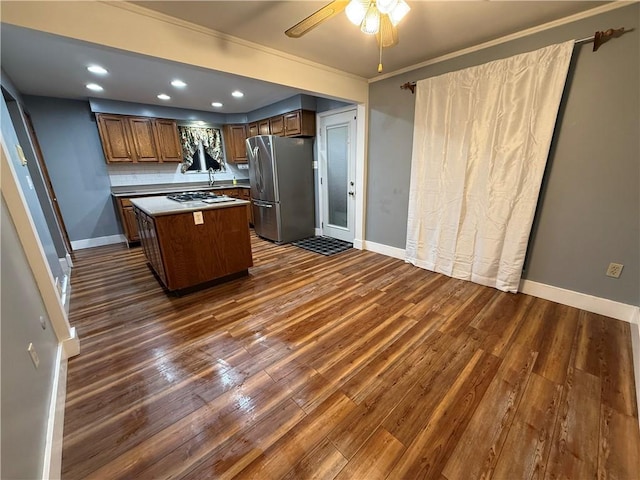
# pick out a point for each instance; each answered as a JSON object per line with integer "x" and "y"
{"x": 211, "y": 181}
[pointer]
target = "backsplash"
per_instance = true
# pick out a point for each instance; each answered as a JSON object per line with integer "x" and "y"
{"x": 159, "y": 173}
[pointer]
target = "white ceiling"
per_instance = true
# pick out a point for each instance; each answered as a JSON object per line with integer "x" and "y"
{"x": 43, "y": 64}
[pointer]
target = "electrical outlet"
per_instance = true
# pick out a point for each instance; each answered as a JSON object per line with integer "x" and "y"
{"x": 614, "y": 270}
{"x": 197, "y": 218}
{"x": 34, "y": 355}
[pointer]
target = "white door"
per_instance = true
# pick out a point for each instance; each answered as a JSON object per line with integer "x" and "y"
{"x": 337, "y": 153}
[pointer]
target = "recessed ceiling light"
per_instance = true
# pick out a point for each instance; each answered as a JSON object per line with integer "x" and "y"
{"x": 216, "y": 104}
{"x": 164, "y": 96}
{"x": 97, "y": 69}
{"x": 178, "y": 83}
{"x": 95, "y": 87}
{"x": 237, "y": 94}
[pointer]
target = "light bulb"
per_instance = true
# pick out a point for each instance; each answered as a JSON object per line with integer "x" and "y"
{"x": 399, "y": 11}
{"x": 371, "y": 22}
{"x": 386, "y": 6}
{"x": 356, "y": 11}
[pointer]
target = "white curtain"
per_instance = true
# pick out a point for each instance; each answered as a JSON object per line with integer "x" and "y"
{"x": 480, "y": 145}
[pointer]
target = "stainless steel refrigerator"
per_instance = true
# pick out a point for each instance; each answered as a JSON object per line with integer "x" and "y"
{"x": 282, "y": 194}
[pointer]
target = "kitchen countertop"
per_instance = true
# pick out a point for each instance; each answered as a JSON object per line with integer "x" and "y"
{"x": 131, "y": 190}
{"x": 161, "y": 205}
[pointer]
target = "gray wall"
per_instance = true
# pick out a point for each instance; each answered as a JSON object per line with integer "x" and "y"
{"x": 326, "y": 104}
{"x": 71, "y": 147}
{"x": 296, "y": 102}
{"x": 588, "y": 212}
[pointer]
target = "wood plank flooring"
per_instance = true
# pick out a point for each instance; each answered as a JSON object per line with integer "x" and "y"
{"x": 354, "y": 366}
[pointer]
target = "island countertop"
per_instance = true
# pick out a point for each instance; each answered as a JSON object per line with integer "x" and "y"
{"x": 161, "y": 205}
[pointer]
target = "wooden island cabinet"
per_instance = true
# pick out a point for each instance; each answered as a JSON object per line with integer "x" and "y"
{"x": 191, "y": 244}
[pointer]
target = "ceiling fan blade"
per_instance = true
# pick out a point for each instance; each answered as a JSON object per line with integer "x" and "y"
{"x": 387, "y": 36}
{"x": 316, "y": 18}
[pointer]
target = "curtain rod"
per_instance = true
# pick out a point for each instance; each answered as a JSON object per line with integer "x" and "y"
{"x": 597, "y": 38}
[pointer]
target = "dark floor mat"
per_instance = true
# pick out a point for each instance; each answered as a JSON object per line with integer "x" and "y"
{"x": 323, "y": 245}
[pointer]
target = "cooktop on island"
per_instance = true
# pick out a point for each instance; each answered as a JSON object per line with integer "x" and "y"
{"x": 206, "y": 197}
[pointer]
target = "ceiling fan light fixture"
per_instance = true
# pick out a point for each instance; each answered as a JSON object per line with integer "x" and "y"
{"x": 386, "y": 6}
{"x": 356, "y": 10}
{"x": 399, "y": 11}
{"x": 371, "y": 23}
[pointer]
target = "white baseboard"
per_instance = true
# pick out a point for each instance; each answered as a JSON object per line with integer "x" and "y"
{"x": 71, "y": 345}
{"x": 394, "y": 252}
{"x": 318, "y": 232}
{"x": 601, "y": 306}
{"x": 98, "y": 242}
{"x": 358, "y": 244}
{"x": 52, "y": 468}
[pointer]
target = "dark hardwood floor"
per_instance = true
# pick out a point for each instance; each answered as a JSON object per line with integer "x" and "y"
{"x": 354, "y": 366}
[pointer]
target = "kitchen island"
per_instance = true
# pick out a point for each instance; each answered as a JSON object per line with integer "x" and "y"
{"x": 194, "y": 243}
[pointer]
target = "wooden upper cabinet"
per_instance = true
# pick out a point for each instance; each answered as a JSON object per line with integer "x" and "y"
{"x": 234, "y": 139}
{"x": 143, "y": 139}
{"x": 300, "y": 123}
{"x": 138, "y": 139}
{"x": 263, "y": 127}
{"x": 169, "y": 147}
{"x": 276, "y": 125}
{"x": 253, "y": 129}
{"x": 114, "y": 133}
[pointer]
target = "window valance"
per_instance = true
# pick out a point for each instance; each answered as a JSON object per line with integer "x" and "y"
{"x": 211, "y": 140}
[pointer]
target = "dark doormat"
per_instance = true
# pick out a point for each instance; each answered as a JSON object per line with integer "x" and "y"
{"x": 323, "y": 245}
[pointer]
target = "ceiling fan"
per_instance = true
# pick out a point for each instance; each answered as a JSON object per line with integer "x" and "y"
{"x": 375, "y": 17}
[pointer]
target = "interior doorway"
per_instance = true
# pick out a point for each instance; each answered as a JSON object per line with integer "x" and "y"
{"x": 337, "y": 166}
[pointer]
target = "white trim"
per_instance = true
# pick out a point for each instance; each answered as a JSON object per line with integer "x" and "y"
{"x": 635, "y": 348}
{"x": 362, "y": 134}
{"x": 394, "y": 252}
{"x": 507, "y": 38}
{"x": 52, "y": 468}
{"x": 65, "y": 295}
{"x": 318, "y": 232}
{"x": 601, "y": 306}
{"x": 71, "y": 345}
{"x": 98, "y": 242}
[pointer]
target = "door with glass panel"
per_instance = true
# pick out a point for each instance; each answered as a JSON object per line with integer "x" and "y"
{"x": 337, "y": 149}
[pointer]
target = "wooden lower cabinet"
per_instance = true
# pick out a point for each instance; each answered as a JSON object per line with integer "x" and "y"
{"x": 185, "y": 254}
{"x": 128, "y": 219}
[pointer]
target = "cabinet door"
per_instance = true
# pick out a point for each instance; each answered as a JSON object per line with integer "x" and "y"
{"x": 235, "y": 136}
{"x": 169, "y": 148}
{"x": 276, "y": 125}
{"x": 263, "y": 127}
{"x": 143, "y": 139}
{"x": 115, "y": 138}
{"x": 300, "y": 123}
{"x": 253, "y": 129}
{"x": 292, "y": 123}
{"x": 131, "y": 224}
